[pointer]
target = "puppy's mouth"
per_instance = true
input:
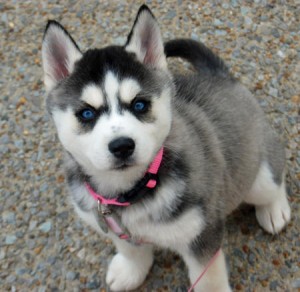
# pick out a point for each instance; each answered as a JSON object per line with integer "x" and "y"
{"x": 123, "y": 165}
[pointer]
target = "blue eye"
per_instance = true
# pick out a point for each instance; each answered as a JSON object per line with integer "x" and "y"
{"x": 87, "y": 114}
{"x": 140, "y": 106}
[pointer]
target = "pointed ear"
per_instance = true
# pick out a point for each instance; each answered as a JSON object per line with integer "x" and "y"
{"x": 59, "y": 54}
{"x": 145, "y": 40}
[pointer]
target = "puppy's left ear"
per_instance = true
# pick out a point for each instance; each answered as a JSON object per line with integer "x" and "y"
{"x": 59, "y": 54}
{"x": 145, "y": 40}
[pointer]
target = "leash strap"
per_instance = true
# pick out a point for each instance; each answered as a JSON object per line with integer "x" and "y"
{"x": 212, "y": 260}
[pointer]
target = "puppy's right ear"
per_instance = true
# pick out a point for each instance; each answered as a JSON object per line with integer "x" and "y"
{"x": 59, "y": 54}
{"x": 145, "y": 40}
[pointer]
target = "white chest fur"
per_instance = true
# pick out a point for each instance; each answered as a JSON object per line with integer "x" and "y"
{"x": 147, "y": 221}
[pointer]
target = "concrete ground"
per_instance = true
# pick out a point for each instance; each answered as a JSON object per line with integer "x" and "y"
{"x": 43, "y": 245}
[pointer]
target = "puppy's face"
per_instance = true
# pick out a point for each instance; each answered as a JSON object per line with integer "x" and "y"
{"x": 111, "y": 106}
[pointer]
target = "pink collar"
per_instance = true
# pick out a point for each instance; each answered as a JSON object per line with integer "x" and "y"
{"x": 148, "y": 181}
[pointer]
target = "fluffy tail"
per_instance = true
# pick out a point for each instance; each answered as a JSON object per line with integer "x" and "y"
{"x": 201, "y": 57}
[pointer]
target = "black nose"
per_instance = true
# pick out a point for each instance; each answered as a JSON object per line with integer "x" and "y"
{"x": 121, "y": 147}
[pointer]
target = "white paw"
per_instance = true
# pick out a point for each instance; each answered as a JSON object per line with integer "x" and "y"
{"x": 275, "y": 216}
{"x": 127, "y": 274}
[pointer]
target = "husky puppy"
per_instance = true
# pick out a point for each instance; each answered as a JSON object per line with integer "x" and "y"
{"x": 117, "y": 107}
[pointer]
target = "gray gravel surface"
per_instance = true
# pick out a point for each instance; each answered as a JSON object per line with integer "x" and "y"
{"x": 43, "y": 245}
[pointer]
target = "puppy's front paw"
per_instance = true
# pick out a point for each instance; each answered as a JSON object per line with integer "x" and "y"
{"x": 275, "y": 216}
{"x": 127, "y": 274}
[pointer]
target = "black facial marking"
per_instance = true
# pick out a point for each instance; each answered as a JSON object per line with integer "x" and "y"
{"x": 88, "y": 124}
{"x": 95, "y": 64}
{"x": 143, "y": 115}
{"x": 93, "y": 67}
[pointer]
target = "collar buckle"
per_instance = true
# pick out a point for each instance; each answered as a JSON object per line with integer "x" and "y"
{"x": 100, "y": 214}
{"x": 148, "y": 181}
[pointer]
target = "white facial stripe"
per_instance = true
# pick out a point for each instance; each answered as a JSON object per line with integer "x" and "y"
{"x": 129, "y": 88}
{"x": 111, "y": 87}
{"x": 93, "y": 96}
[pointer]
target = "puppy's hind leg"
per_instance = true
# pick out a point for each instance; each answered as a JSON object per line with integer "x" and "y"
{"x": 130, "y": 266}
{"x": 270, "y": 200}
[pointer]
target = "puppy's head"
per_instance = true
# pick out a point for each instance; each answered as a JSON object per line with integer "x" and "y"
{"x": 111, "y": 106}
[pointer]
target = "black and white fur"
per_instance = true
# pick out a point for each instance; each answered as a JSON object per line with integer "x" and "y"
{"x": 219, "y": 149}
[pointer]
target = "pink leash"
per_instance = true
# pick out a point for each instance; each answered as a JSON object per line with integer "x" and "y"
{"x": 212, "y": 260}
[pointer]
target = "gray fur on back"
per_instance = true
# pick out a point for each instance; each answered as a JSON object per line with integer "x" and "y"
{"x": 225, "y": 137}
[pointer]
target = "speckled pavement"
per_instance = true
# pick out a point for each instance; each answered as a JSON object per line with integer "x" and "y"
{"x": 43, "y": 245}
